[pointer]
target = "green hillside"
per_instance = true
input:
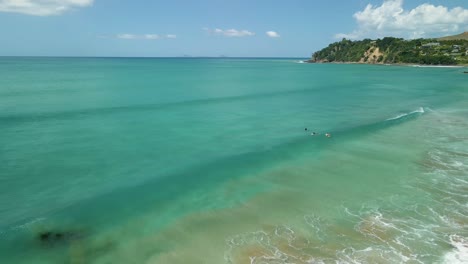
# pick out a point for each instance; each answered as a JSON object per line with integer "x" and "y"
{"x": 463, "y": 35}
{"x": 396, "y": 50}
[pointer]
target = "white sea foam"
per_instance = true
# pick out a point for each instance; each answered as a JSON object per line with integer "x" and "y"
{"x": 390, "y": 230}
{"x": 26, "y": 225}
{"x": 459, "y": 254}
{"x": 436, "y": 66}
{"x": 30, "y": 223}
{"x": 395, "y": 246}
{"x": 318, "y": 224}
{"x": 272, "y": 245}
{"x": 419, "y": 110}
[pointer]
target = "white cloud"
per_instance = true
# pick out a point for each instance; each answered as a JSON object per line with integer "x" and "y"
{"x": 272, "y": 34}
{"x": 229, "y": 32}
{"x": 353, "y": 35}
{"x": 42, "y": 7}
{"x": 145, "y": 36}
{"x": 150, "y": 36}
{"x": 126, "y": 36}
{"x": 391, "y": 19}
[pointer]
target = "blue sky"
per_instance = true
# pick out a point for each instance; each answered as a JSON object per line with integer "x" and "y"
{"x": 296, "y": 28}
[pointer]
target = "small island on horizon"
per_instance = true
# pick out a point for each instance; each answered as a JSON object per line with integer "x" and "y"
{"x": 451, "y": 50}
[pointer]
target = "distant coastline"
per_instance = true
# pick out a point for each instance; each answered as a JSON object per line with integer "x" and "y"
{"x": 391, "y": 64}
{"x": 447, "y": 51}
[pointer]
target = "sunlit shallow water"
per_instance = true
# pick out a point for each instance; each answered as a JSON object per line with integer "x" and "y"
{"x": 208, "y": 161}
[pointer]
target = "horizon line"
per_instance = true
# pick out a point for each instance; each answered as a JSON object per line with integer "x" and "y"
{"x": 155, "y": 57}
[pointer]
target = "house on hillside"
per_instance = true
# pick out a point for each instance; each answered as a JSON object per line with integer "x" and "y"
{"x": 431, "y": 44}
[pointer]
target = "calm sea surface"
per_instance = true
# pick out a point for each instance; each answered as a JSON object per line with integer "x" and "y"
{"x": 115, "y": 160}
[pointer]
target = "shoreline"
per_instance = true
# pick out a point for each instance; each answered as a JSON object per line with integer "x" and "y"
{"x": 392, "y": 64}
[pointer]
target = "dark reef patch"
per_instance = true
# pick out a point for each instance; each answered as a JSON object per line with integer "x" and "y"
{"x": 56, "y": 238}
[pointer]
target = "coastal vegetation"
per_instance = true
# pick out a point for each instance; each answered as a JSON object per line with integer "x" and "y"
{"x": 444, "y": 51}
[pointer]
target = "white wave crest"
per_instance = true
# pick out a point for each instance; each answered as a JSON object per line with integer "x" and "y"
{"x": 460, "y": 252}
{"x": 436, "y": 66}
{"x": 419, "y": 110}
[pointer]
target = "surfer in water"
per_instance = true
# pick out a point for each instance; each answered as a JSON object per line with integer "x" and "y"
{"x": 328, "y": 135}
{"x": 312, "y": 134}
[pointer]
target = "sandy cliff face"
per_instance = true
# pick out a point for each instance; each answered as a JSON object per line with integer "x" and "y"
{"x": 371, "y": 56}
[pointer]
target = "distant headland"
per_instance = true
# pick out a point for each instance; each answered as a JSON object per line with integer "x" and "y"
{"x": 451, "y": 50}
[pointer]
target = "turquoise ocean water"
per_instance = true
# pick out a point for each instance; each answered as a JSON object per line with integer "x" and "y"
{"x": 127, "y": 160}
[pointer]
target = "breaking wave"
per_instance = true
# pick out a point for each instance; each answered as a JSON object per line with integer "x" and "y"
{"x": 420, "y": 110}
{"x": 391, "y": 230}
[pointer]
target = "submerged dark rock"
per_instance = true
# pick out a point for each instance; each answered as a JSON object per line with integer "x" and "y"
{"x": 45, "y": 236}
{"x": 51, "y": 238}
